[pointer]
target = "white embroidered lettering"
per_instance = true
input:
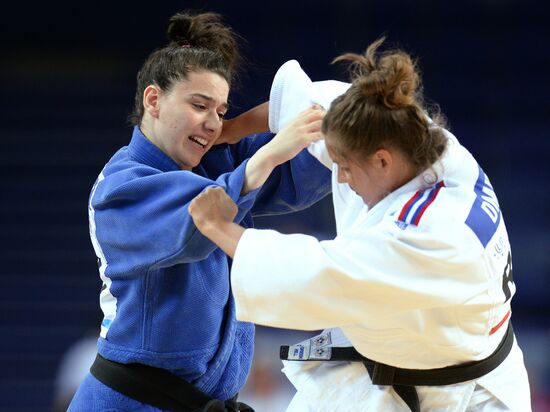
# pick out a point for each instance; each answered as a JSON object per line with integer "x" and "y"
{"x": 489, "y": 201}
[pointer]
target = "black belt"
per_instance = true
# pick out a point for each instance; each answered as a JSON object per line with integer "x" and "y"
{"x": 159, "y": 388}
{"x": 404, "y": 380}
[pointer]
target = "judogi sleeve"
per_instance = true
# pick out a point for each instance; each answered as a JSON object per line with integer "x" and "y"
{"x": 297, "y": 282}
{"x": 292, "y": 186}
{"x": 141, "y": 217}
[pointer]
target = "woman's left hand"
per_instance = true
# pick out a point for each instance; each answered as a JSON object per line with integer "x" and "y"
{"x": 291, "y": 140}
{"x": 298, "y": 134}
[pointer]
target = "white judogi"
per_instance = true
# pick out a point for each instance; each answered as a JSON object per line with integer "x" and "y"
{"x": 420, "y": 281}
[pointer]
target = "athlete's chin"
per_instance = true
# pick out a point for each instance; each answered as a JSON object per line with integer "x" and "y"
{"x": 192, "y": 164}
{"x": 199, "y": 157}
{"x": 371, "y": 201}
{"x": 189, "y": 162}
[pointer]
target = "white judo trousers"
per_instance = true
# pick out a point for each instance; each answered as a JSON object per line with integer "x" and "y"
{"x": 420, "y": 281}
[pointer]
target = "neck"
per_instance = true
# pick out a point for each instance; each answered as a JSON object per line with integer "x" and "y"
{"x": 404, "y": 171}
{"x": 146, "y": 129}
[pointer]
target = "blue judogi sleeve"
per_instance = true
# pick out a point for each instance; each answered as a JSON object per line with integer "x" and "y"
{"x": 292, "y": 186}
{"x": 147, "y": 211}
{"x": 140, "y": 205}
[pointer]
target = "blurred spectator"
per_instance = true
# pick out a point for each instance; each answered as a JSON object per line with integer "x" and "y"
{"x": 267, "y": 388}
{"x": 74, "y": 365}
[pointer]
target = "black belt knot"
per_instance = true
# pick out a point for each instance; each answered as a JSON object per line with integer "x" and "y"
{"x": 403, "y": 380}
{"x": 382, "y": 374}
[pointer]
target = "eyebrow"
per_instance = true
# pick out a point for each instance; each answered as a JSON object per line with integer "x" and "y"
{"x": 210, "y": 99}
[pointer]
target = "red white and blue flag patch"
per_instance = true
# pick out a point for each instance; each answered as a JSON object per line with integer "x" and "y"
{"x": 416, "y": 206}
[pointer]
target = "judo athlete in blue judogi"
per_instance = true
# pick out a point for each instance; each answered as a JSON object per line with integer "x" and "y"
{"x": 169, "y": 314}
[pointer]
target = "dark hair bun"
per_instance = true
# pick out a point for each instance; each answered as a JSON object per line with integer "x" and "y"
{"x": 178, "y": 28}
{"x": 204, "y": 30}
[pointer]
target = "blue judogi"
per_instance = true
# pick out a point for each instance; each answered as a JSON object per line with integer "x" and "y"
{"x": 166, "y": 292}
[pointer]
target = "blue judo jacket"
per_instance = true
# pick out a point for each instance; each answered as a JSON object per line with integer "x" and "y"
{"x": 166, "y": 293}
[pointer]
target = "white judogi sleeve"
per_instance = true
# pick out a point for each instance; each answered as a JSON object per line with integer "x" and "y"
{"x": 297, "y": 282}
{"x": 292, "y": 92}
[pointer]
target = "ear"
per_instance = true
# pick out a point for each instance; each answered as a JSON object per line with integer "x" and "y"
{"x": 383, "y": 160}
{"x": 151, "y": 96}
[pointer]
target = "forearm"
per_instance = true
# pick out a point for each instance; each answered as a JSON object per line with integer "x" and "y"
{"x": 258, "y": 169}
{"x": 226, "y": 235}
{"x": 284, "y": 146}
{"x": 252, "y": 121}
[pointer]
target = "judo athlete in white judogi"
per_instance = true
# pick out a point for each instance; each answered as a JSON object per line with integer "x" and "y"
{"x": 419, "y": 277}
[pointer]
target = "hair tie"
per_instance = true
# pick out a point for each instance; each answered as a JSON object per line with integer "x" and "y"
{"x": 185, "y": 45}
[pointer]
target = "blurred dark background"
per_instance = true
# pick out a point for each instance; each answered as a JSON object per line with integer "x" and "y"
{"x": 68, "y": 76}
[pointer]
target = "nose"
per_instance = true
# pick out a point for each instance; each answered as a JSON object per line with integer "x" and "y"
{"x": 342, "y": 176}
{"x": 213, "y": 123}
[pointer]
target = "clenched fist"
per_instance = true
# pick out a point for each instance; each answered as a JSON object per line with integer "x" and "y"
{"x": 213, "y": 207}
{"x": 213, "y": 212}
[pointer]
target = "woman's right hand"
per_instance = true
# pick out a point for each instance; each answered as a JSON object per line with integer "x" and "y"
{"x": 213, "y": 208}
{"x": 213, "y": 212}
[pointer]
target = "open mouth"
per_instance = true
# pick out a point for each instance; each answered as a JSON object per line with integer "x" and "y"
{"x": 199, "y": 141}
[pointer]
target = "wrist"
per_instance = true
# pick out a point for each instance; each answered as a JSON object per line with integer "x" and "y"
{"x": 224, "y": 234}
{"x": 212, "y": 228}
{"x": 267, "y": 157}
{"x": 258, "y": 169}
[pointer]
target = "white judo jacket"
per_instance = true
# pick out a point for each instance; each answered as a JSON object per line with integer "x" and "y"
{"x": 421, "y": 280}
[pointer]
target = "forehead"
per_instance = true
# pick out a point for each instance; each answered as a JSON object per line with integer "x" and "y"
{"x": 207, "y": 85}
{"x": 335, "y": 152}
